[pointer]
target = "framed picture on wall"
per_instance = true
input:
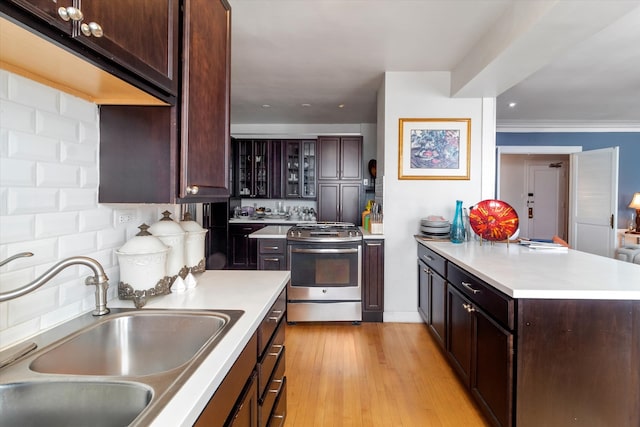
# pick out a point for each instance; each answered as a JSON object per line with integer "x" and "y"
{"x": 434, "y": 149}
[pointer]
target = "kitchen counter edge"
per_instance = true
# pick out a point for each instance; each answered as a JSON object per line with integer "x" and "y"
{"x": 520, "y": 272}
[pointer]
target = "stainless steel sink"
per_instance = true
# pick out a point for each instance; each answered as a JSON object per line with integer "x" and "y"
{"x": 123, "y": 367}
{"x": 139, "y": 343}
{"x": 68, "y": 404}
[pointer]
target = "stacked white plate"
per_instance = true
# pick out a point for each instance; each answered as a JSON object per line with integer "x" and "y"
{"x": 435, "y": 226}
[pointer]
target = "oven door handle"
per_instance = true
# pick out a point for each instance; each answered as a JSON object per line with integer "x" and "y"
{"x": 324, "y": 251}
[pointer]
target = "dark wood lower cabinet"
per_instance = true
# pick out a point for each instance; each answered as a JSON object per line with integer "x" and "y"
{"x": 272, "y": 254}
{"x": 253, "y": 393}
{"x": 243, "y": 251}
{"x": 373, "y": 281}
{"x": 578, "y": 363}
{"x": 536, "y": 362}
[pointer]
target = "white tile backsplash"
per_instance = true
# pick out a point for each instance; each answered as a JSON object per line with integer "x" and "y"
{"x": 19, "y": 173}
{"x": 17, "y": 228}
{"x": 49, "y": 145}
{"x": 17, "y": 117}
{"x": 57, "y": 175}
{"x": 29, "y": 146}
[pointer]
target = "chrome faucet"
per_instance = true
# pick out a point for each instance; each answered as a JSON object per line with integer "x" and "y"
{"x": 99, "y": 279}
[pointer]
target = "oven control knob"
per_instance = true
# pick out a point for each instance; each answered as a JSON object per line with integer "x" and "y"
{"x": 299, "y": 233}
{"x": 324, "y": 291}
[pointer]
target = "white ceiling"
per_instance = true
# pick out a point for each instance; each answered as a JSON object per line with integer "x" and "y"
{"x": 562, "y": 61}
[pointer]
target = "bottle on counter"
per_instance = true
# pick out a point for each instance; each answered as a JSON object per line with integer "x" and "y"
{"x": 457, "y": 233}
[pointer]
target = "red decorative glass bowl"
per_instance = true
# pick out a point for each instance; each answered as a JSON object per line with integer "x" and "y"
{"x": 493, "y": 220}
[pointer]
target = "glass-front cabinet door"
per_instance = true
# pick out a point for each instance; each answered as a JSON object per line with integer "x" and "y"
{"x": 293, "y": 170}
{"x": 300, "y": 165}
{"x": 251, "y": 171}
{"x": 308, "y": 169}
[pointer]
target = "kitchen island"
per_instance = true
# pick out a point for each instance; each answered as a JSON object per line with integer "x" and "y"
{"x": 539, "y": 337}
{"x": 254, "y": 292}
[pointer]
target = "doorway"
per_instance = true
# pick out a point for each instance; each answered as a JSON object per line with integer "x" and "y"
{"x": 535, "y": 182}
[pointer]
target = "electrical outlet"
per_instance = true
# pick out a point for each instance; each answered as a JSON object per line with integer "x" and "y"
{"x": 125, "y": 216}
{"x": 365, "y": 181}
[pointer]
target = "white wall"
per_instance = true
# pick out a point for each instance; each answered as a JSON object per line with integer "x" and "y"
{"x": 425, "y": 95}
{"x": 49, "y": 145}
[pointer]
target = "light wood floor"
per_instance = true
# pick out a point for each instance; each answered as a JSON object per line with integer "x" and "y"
{"x": 374, "y": 374}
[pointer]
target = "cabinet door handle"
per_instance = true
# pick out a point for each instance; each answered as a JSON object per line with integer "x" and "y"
{"x": 471, "y": 288}
{"x": 70, "y": 13}
{"x": 91, "y": 29}
{"x": 469, "y": 308}
{"x": 193, "y": 189}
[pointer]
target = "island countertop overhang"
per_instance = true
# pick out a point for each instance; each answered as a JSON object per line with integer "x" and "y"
{"x": 524, "y": 273}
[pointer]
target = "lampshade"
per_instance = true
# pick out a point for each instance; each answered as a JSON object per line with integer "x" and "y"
{"x": 635, "y": 201}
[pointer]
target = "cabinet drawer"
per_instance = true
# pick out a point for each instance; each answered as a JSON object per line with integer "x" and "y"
{"x": 279, "y": 413}
{"x": 271, "y": 321}
{"x": 493, "y": 302}
{"x": 272, "y": 246}
{"x": 276, "y": 387}
{"x": 432, "y": 259}
{"x": 270, "y": 358}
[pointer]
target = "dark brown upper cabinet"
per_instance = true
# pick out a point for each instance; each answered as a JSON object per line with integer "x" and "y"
{"x": 135, "y": 41}
{"x": 340, "y": 158}
{"x": 179, "y": 153}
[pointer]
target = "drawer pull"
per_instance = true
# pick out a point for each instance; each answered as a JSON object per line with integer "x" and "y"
{"x": 471, "y": 288}
{"x": 279, "y": 347}
{"x": 272, "y": 259}
{"x": 271, "y": 247}
{"x": 429, "y": 257}
{"x": 276, "y": 315}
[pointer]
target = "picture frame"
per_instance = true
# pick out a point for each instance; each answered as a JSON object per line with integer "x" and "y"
{"x": 434, "y": 148}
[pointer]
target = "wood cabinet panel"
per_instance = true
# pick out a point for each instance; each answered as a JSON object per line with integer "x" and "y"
{"x": 351, "y": 158}
{"x": 373, "y": 281}
{"x": 243, "y": 251}
{"x": 206, "y": 119}
{"x": 47, "y": 11}
{"x": 459, "y": 334}
{"x": 339, "y": 158}
{"x": 138, "y": 41}
{"x": 194, "y": 156}
{"x": 141, "y": 36}
{"x": 578, "y": 363}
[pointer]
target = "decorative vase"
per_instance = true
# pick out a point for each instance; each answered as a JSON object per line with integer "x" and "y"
{"x": 457, "y": 233}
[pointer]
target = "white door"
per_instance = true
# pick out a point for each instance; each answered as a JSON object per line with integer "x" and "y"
{"x": 594, "y": 201}
{"x": 545, "y": 200}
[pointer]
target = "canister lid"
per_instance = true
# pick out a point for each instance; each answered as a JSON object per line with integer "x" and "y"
{"x": 165, "y": 226}
{"x": 143, "y": 243}
{"x": 190, "y": 225}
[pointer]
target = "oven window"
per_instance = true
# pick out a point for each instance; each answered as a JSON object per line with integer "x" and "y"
{"x": 332, "y": 271}
{"x": 323, "y": 269}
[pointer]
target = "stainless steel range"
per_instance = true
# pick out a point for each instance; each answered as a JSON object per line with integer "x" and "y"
{"x": 325, "y": 260}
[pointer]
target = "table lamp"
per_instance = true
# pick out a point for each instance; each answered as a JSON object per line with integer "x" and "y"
{"x": 635, "y": 204}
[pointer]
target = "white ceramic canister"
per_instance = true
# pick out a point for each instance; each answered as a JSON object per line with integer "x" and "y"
{"x": 142, "y": 260}
{"x": 193, "y": 243}
{"x": 171, "y": 235}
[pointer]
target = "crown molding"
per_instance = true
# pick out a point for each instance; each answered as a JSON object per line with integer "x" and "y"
{"x": 523, "y": 126}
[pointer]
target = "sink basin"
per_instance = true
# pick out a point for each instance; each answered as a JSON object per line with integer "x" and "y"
{"x": 61, "y": 403}
{"x": 121, "y": 368}
{"x": 133, "y": 344}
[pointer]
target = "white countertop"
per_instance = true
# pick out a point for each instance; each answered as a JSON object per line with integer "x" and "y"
{"x": 280, "y": 232}
{"x": 521, "y": 272}
{"x": 251, "y": 291}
